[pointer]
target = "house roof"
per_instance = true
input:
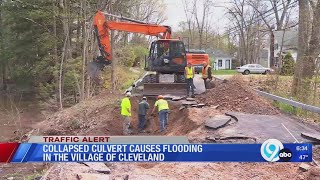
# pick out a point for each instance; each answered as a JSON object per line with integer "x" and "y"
{"x": 218, "y": 53}
{"x": 289, "y": 39}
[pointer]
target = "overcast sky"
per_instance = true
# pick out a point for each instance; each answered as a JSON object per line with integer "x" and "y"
{"x": 175, "y": 14}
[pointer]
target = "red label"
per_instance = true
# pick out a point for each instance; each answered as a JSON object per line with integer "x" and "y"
{"x": 7, "y": 151}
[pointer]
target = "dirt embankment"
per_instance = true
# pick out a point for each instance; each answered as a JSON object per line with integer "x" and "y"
{"x": 236, "y": 95}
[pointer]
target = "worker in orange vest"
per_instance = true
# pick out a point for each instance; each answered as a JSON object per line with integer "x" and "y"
{"x": 189, "y": 74}
{"x": 206, "y": 74}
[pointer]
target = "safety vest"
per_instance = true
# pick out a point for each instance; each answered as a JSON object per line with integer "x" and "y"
{"x": 125, "y": 105}
{"x": 189, "y": 72}
{"x": 162, "y": 104}
{"x": 205, "y": 71}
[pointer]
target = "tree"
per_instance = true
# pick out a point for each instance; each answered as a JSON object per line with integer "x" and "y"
{"x": 309, "y": 47}
{"x": 288, "y": 65}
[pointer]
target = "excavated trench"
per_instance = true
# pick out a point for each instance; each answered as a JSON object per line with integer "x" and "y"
{"x": 179, "y": 122}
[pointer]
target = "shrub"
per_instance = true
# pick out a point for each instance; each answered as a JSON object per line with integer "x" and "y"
{"x": 288, "y": 65}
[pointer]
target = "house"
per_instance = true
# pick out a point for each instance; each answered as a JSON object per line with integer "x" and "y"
{"x": 221, "y": 59}
{"x": 285, "y": 42}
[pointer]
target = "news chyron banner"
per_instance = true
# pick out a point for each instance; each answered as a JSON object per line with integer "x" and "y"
{"x": 147, "y": 149}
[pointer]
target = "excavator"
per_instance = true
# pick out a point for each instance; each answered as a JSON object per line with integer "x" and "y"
{"x": 167, "y": 57}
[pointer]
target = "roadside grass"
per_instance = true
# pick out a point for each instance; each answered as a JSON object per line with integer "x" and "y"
{"x": 224, "y": 72}
{"x": 283, "y": 89}
{"x": 286, "y": 108}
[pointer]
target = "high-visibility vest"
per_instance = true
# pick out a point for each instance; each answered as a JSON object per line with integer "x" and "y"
{"x": 205, "y": 71}
{"x": 162, "y": 104}
{"x": 125, "y": 105}
{"x": 189, "y": 72}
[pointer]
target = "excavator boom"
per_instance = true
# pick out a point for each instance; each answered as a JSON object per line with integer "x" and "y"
{"x": 102, "y": 28}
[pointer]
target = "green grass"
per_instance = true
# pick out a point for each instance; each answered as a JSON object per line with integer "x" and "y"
{"x": 286, "y": 108}
{"x": 224, "y": 72}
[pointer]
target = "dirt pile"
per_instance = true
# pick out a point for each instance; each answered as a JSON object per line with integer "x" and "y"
{"x": 236, "y": 95}
{"x": 91, "y": 117}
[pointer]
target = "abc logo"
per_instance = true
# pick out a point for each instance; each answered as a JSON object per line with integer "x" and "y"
{"x": 270, "y": 150}
{"x": 285, "y": 154}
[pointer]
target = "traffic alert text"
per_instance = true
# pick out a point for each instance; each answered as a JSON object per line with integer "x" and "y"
{"x": 109, "y": 153}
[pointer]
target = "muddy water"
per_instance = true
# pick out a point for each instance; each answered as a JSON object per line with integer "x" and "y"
{"x": 17, "y": 116}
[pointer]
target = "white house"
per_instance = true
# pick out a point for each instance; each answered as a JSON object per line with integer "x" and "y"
{"x": 286, "y": 42}
{"x": 222, "y": 60}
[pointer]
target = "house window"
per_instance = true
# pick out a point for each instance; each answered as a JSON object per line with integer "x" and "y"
{"x": 220, "y": 63}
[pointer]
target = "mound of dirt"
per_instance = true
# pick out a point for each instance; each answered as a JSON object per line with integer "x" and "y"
{"x": 91, "y": 117}
{"x": 236, "y": 95}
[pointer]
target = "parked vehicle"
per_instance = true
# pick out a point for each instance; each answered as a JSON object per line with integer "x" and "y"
{"x": 253, "y": 69}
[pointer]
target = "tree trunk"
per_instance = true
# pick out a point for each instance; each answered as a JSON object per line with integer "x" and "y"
{"x": 114, "y": 66}
{"x": 55, "y": 48}
{"x": 63, "y": 56}
{"x": 304, "y": 18}
{"x": 66, "y": 53}
{"x": 271, "y": 49}
{"x": 84, "y": 53}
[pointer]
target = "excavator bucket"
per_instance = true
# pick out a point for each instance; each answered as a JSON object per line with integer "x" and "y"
{"x": 94, "y": 71}
{"x": 171, "y": 89}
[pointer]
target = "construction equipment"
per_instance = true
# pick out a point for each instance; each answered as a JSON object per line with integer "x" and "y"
{"x": 166, "y": 55}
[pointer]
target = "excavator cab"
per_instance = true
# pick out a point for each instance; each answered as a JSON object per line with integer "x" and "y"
{"x": 167, "y": 56}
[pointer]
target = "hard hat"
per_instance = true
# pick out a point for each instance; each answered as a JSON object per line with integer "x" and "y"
{"x": 160, "y": 97}
{"x": 128, "y": 94}
{"x": 144, "y": 98}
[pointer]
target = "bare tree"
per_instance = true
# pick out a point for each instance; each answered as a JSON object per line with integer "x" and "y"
{"x": 189, "y": 20}
{"x": 247, "y": 28}
{"x": 269, "y": 11}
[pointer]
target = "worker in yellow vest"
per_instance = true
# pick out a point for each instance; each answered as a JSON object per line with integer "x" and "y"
{"x": 126, "y": 113}
{"x": 206, "y": 74}
{"x": 163, "y": 110}
{"x": 189, "y": 74}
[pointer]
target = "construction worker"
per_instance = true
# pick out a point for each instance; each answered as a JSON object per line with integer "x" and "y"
{"x": 163, "y": 110}
{"x": 126, "y": 113}
{"x": 206, "y": 74}
{"x": 189, "y": 74}
{"x": 143, "y": 107}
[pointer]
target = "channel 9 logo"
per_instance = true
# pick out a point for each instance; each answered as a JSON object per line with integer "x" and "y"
{"x": 272, "y": 150}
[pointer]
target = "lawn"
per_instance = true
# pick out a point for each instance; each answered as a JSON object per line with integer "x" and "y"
{"x": 224, "y": 72}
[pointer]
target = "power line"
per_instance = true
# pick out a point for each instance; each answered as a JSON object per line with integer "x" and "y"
{"x": 233, "y": 29}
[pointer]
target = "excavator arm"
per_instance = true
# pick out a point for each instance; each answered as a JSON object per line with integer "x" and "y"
{"x": 102, "y": 28}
